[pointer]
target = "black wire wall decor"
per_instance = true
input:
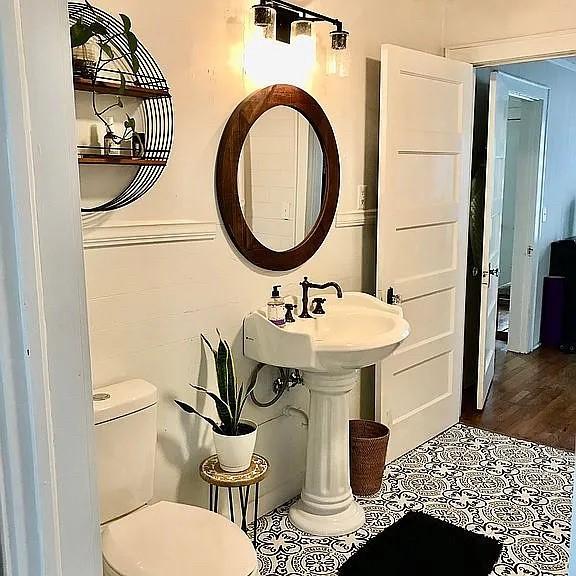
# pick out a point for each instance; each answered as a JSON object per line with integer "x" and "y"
{"x": 157, "y": 112}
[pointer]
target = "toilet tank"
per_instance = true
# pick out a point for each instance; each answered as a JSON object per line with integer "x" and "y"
{"x": 125, "y": 420}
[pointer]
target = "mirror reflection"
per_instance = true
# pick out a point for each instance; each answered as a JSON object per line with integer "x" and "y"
{"x": 280, "y": 178}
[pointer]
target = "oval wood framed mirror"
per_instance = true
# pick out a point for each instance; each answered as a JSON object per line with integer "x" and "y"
{"x": 278, "y": 177}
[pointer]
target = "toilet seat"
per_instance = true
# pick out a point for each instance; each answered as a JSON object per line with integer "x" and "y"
{"x": 169, "y": 539}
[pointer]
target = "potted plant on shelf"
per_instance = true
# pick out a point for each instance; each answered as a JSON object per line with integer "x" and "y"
{"x": 234, "y": 438}
{"x": 96, "y": 52}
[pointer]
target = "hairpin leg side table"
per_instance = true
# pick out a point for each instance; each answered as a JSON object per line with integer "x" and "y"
{"x": 217, "y": 478}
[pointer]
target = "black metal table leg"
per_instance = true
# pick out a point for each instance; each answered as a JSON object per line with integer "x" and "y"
{"x": 211, "y": 498}
{"x": 217, "y": 490}
{"x": 256, "y": 513}
{"x": 244, "y": 506}
{"x": 231, "y": 504}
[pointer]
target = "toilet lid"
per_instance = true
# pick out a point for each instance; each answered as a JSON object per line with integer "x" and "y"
{"x": 168, "y": 539}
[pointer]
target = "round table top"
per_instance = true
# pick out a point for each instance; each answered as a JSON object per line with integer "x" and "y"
{"x": 211, "y": 472}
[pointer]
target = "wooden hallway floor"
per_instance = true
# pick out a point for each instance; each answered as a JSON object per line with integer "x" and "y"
{"x": 533, "y": 397}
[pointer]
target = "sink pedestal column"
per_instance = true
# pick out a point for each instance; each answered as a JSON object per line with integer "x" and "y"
{"x": 326, "y": 506}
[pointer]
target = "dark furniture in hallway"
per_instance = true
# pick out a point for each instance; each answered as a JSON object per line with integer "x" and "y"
{"x": 563, "y": 263}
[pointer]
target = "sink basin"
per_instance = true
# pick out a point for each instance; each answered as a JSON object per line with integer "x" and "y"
{"x": 357, "y": 330}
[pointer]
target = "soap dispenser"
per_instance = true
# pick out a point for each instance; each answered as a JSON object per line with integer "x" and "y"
{"x": 276, "y": 309}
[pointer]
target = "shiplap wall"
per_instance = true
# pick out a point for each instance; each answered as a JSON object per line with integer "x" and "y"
{"x": 271, "y": 177}
{"x": 148, "y": 303}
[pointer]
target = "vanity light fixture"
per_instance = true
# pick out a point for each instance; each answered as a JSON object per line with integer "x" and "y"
{"x": 285, "y": 21}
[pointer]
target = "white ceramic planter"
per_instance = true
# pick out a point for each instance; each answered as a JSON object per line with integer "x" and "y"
{"x": 235, "y": 452}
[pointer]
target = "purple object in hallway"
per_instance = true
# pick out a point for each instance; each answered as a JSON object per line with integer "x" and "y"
{"x": 553, "y": 311}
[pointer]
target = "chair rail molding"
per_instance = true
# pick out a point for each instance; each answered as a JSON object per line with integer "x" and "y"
{"x": 356, "y": 218}
{"x": 147, "y": 232}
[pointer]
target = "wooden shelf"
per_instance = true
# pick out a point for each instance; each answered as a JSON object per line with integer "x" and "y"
{"x": 101, "y": 87}
{"x": 120, "y": 161}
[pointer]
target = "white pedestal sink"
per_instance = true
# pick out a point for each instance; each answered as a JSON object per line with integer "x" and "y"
{"x": 357, "y": 330}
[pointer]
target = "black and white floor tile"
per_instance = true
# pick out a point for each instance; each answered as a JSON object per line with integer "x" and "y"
{"x": 515, "y": 491}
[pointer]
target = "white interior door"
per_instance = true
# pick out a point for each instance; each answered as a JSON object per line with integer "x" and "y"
{"x": 529, "y": 178}
{"x": 425, "y": 148}
{"x": 493, "y": 201}
{"x": 525, "y": 307}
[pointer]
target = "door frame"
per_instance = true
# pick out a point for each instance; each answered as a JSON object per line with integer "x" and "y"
{"x": 517, "y": 50}
{"x": 48, "y": 500}
{"x": 531, "y": 213}
{"x": 524, "y": 270}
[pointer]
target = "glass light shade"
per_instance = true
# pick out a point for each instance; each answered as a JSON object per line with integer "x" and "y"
{"x": 338, "y": 62}
{"x": 265, "y": 21}
{"x": 301, "y": 28}
{"x": 303, "y": 43}
{"x": 339, "y": 39}
{"x": 261, "y": 51}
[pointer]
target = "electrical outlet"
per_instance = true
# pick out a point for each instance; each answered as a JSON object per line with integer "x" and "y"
{"x": 544, "y": 214}
{"x": 362, "y": 190}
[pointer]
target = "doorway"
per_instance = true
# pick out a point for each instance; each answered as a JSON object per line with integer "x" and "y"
{"x": 528, "y": 394}
{"x": 504, "y": 219}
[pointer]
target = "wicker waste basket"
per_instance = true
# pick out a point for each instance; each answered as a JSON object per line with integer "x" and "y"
{"x": 368, "y": 444}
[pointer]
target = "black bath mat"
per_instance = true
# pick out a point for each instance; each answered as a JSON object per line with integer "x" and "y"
{"x": 418, "y": 545}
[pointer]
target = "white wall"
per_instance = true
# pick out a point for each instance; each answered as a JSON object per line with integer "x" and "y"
{"x": 149, "y": 304}
{"x": 469, "y": 21}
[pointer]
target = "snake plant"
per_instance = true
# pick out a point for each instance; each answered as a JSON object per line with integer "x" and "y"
{"x": 230, "y": 400}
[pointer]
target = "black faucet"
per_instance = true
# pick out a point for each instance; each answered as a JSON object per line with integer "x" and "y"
{"x": 306, "y": 286}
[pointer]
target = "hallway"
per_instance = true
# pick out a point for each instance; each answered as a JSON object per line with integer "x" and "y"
{"x": 533, "y": 397}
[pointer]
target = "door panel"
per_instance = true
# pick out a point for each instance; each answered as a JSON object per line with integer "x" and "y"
{"x": 410, "y": 261}
{"x": 425, "y": 178}
{"x": 425, "y": 324}
{"x": 425, "y": 142}
{"x": 430, "y": 379}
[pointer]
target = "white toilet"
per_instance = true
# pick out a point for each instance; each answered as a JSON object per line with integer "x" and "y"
{"x": 162, "y": 539}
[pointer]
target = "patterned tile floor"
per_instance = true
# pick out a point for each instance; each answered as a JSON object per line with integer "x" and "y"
{"x": 515, "y": 491}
